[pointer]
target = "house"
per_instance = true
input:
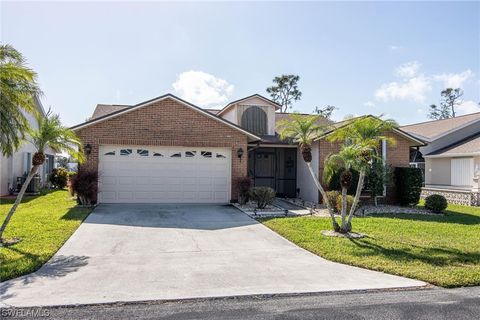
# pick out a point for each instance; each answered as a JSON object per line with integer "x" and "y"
{"x": 451, "y": 160}
{"x": 169, "y": 150}
{"x": 20, "y": 163}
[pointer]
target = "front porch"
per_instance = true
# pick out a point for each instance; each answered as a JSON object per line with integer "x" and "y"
{"x": 274, "y": 167}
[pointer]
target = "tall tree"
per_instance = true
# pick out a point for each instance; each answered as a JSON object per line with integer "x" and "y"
{"x": 360, "y": 137}
{"x": 304, "y": 130}
{"x": 18, "y": 91}
{"x": 285, "y": 90}
{"x": 326, "y": 111}
{"x": 50, "y": 134}
{"x": 451, "y": 98}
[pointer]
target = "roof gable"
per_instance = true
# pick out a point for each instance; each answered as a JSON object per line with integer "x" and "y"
{"x": 160, "y": 98}
{"x": 432, "y": 130}
{"x": 253, "y": 97}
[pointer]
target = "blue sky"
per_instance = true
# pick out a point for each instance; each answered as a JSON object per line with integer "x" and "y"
{"x": 373, "y": 57}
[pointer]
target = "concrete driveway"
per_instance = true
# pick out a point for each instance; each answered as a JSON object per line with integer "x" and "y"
{"x": 150, "y": 252}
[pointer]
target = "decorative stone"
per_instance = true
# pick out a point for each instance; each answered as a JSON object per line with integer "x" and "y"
{"x": 349, "y": 235}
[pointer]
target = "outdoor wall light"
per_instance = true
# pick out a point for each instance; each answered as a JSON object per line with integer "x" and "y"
{"x": 240, "y": 153}
{"x": 88, "y": 148}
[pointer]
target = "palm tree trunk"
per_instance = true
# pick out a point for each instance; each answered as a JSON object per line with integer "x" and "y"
{"x": 324, "y": 196}
{"x": 19, "y": 198}
{"x": 344, "y": 206}
{"x": 358, "y": 192}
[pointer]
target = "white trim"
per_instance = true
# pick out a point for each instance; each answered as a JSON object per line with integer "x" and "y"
{"x": 453, "y": 155}
{"x": 384, "y": 161}
{"x": 249, "y": 97}
{"x": 167, "y": 96}
{"x": 261, "y": 145}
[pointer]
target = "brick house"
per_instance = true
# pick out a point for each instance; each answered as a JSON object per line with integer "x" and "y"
{"x": 167, "y": 150}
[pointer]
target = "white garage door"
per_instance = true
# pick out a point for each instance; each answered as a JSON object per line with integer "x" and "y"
{"x": 135, "y": 174}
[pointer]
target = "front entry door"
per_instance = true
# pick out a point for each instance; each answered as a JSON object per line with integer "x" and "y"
{"x": 265, "y": 169}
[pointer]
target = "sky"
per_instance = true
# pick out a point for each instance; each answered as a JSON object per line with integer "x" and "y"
{"x": 390, "y": 58}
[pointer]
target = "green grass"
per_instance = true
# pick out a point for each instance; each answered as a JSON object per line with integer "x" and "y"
{"x": 43, "y": 223}
{"x": 440, "y": 249}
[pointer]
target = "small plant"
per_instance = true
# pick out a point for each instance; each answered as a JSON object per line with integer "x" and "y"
{"x": 338, "y": 203}
{"x": 262, "y": 196}
{"x": 436, "y": 202}
{"x": 58, "y": 178}
{"x": 408, "y": 182}
{"x": 84, "y": 185}
{"x": 332, "y": 198}
{"x": 243, "y": 186}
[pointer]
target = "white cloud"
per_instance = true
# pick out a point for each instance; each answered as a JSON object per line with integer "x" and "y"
{"x": 454, "y": 80}
{"x": 468, "y": 107}
{"x": 369, "y": 104}
{"x": 408, "y": 70}
{"x": 202, "y": 88}
{"x": 413, "y": 89}
{"x": 394, "y": 47}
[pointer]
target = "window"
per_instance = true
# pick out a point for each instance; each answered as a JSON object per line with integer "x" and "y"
{"x": 142, "y": 152}
{"x": 254, "y": 119}
{"x": 221, "y": 156}
{"x": 110, "y": 153}
{"x": 125, "y": 152}
{"x": 176, "y": 155}
{"x": 190, "y": 154}
{"x": 157, "y": 154}
{"x": 206, "y": 154}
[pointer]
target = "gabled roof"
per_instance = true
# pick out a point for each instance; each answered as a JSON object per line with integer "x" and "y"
{"x": 161, "y": 98}
{"x": 256, "y": 95}
{"x": 469, "y": 146}
{"x": 322, "y": 121}
{"x": 104, "y": 109}
{"x": 341, "y": 124}
{"x": 432, "y": 130}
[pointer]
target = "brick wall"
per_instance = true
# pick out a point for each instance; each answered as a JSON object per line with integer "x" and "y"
{"x": 166, "y": 123}
{"x": 398, "y": 155}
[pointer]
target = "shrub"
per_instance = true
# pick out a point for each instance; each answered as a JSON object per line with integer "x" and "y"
{"x": 243, "y": 187}
{"x": 332, "y": 198}
{"x": 436, "y": 202}
{"x": 378, "y": 177}
{"x": 408, "y": 182}
{"x": 338, "y": 204}
{"x": 262, "y": 196}
{"x": 84, "y": 185}
{"x": 334, "y": 183}
{"x": 58, "y": 178}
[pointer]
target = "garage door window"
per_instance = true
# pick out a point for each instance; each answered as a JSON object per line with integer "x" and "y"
{"x": 206, "y": 154}
{"x": 220, "y": 156}
{"x": 142, "y": 152}
{"x": 157, "y": 154}
{"x": 190, "y": 154}
{"x": 176, "y": 155}
{"x": 125, "y": 152}
{"x": 110, "y": 153}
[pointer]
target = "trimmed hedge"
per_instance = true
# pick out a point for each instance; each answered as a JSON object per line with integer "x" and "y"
{"x": 262, "y": 196}
{"x": 436, "y": 202}
{"x": 408, "y": 182}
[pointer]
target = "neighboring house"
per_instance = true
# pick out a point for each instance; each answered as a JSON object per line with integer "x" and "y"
{"x": 20, "y": 162}
{"x": 169, "y": 150}
{"x": 451, "y": 160}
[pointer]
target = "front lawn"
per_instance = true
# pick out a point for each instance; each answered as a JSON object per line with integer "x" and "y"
{"x": 43, "y": 223}
{"x": 441, "y": 249}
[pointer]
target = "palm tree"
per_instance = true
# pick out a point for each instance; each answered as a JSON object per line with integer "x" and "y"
{"x": 50, "y": 134}
{"x": 18, "y": 91}
{"x": 303, "y": 130}
{"x": 361, "y": 138}
{"x": 348, "y": 159}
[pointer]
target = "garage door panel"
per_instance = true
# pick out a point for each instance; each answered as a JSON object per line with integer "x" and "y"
{"x": 194, "y": 175}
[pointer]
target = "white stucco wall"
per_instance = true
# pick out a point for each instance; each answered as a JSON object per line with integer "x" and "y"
{"x": 437, "y": 171}
{"x": 308, "y": 190}
{"x": 14, "y": 166}
{"x": 231, "y": 115}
